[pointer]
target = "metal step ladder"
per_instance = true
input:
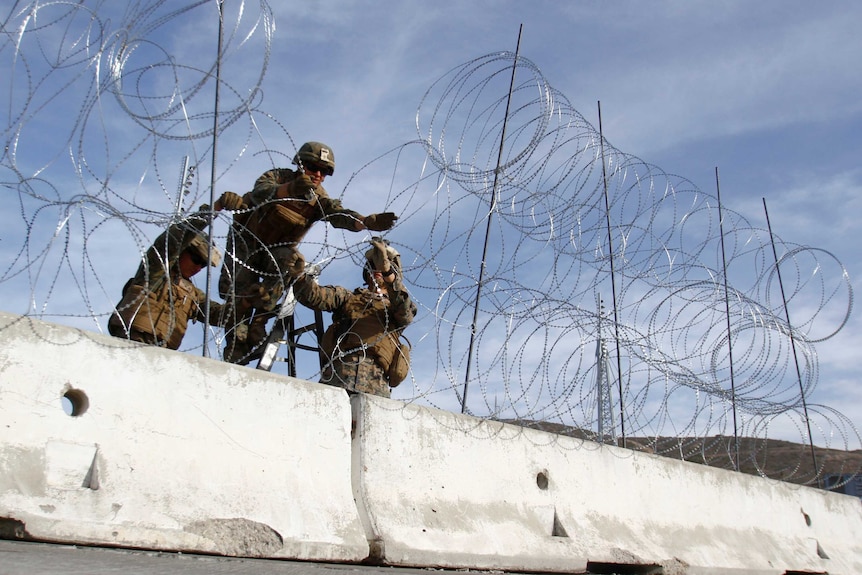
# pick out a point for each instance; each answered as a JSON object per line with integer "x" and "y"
{"x": 285, "y": 333}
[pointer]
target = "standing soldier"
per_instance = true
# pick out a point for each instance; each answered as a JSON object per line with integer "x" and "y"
{"x": 160, "y": 299}
{"x": 282, "y": 207}
{"x": 361, "y": 347}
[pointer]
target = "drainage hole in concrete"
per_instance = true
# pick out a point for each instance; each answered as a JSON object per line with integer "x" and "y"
{"x": 75, "y": 402}
{"x": 542, "y": 480}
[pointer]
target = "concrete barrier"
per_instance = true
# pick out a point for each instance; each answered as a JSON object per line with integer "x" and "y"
{"x": 442, "y": 489}
{"x": 107, "y": 442}
{"x": 162, "y": 450}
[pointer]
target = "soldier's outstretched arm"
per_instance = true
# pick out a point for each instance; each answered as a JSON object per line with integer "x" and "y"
{"x": 314, "y": 296}
{"x": 346, "y": 219}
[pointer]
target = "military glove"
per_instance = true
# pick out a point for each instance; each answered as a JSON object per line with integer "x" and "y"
{"x": 229, "y": 201}
{"x": 379, "y": 257}
{"x": 380, "y": 222}
{"x": 303, "y": 184}
{"x": 296, "y": 266}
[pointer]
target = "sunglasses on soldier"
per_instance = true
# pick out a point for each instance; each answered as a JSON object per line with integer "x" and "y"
{"x": 312, "y": 167}
{"x": 197, "y": 259}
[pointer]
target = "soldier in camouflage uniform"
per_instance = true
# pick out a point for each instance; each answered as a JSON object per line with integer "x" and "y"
{"x": 160, "y": 300}
{"x": 361, "y": 343}
{"x": 282, "y": 207}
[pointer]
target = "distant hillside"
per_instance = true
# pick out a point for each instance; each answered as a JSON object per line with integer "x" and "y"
{"x": 773, "y": 458}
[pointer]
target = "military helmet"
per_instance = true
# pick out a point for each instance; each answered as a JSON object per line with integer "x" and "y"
{"x": 316, "y": 153}
{"x": 200, "y": 244}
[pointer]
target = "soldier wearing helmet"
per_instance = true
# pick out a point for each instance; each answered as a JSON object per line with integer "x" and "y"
{"x": 280, "y": 209}
{"x": 361, "y": 347}
{"x": 160, "y": 299}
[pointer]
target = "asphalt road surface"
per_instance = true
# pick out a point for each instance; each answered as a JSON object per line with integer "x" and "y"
{"x": 25, "y": 558}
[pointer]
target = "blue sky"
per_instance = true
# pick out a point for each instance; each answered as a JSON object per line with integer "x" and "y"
{"x": 766, "y": 92}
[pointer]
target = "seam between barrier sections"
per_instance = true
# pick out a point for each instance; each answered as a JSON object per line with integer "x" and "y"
{"x": 376, "y": 551}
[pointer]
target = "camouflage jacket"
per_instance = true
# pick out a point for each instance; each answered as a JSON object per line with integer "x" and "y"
{"x": 275, "y": 220}
{"x": 361, "y": 319}
{"x": 158, "y": 300}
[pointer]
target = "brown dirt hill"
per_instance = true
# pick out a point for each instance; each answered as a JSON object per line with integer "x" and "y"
{"x": 773, "y": 458}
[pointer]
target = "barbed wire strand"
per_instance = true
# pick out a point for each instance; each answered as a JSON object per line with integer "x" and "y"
{"x": 693, "y": 277}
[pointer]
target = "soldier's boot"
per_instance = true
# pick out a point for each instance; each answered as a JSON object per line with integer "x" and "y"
{"x": 236, "y": 351}
{"x": 236, "y": 342}
{"x": 257, "y": 333}
{"x": 247, "y": 340}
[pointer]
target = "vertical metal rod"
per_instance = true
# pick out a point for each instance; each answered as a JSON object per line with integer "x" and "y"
{"x": 181, "y": 189}
{"x": 213, "y": 173}
{"x": 613, "y": 280}
{"x": 488, "y": 226}
{"x": 727, "y": 317}
{"x": 793, "y": 347}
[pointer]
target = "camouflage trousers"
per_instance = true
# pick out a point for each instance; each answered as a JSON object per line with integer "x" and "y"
{"x": 246, "y": 334}
{"x": 252, "y": 283}
{"x": 356, "y": 372}
{"x": 117, "y": 330}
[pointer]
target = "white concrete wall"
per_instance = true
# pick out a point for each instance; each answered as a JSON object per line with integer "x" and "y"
{"x": 449, "y": 490}
{"x": 177, "y": 452}
{"x": 186, "y": 453}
